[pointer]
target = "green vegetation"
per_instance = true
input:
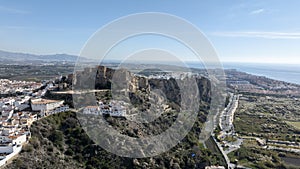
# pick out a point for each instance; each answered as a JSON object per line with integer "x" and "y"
{"x": 266, "y": 117}
{"x": 34, "y": 72}
{"x": 58, "y": 141}
{"x": 269, "y": 118}
{"x": 256, "y": 157}
{"x": 211, "y": 145}
{"x": 230, "y": 139}
{"x": 294, "y": 124}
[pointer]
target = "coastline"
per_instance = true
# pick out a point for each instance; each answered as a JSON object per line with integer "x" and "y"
{"x": 289, "y": 73}
{"x": 281, "y": 72}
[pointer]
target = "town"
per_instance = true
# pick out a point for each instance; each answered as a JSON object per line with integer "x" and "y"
{"x": 21, "y": 104}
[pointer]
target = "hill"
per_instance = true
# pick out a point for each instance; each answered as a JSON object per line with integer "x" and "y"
{"x": 26, "y": 57}
{"x": 58, "y": 141}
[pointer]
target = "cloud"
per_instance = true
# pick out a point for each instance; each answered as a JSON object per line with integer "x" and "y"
{"x": 258, "y": 11}
{"x": 256, "y": 34}
{"x": 12, "y": 10}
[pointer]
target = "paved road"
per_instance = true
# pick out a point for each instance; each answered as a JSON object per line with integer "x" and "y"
{"x": 227, "y": 129}
{"x": 227, "y": 115}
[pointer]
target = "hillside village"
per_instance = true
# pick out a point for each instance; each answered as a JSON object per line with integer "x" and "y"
{"x": 21, "y": 104}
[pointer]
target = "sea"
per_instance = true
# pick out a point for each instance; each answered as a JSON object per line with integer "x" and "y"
{"x": 284, "y": 72}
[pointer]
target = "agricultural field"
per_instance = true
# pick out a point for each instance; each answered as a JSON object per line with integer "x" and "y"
{"x": 268, "y": 117}
{"x": 273, "y": 120}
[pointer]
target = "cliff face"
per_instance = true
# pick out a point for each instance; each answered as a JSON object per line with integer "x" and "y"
{"x": 103, "y": 78}
{"x": 169, "y": 87}
{"x": 100, "y": 75}
{"x": 204, "y": 88}
{"x": 138, "y": 88}
{"x": 172, "y": 90}
{"x": 106, "y": 78}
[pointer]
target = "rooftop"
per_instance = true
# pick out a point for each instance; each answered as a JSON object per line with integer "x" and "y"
{"x": 43, "y": 101}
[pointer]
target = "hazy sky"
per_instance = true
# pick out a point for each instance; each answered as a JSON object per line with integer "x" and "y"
{"x": 240, "y": 30}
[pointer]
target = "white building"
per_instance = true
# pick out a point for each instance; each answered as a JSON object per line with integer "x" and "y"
{"x": 91, "y": 110}
{"x": 8, "y": 130}
{"x": 15, "y": 142}
{"x": 214, "y": 167}
{"x": 19, "y": 139}
{"x": 59, "y": 109}
{"x": 4, "y": 139}
{"x": 45, "y": 105}
{"x": 7, "y": 113}
{"x": 117, "y": 109}
{"x": 114, "y": 108}
{"x": 22, "y": 107}
{"x": 6, "y": 149}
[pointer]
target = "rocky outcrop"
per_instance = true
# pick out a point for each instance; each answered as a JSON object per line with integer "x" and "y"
{"x": 169, "y": 87}
{"x": 139, "y": 89}
{"x": 121, "y": 79}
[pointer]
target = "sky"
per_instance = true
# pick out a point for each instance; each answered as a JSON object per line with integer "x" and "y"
{"x": 240, "y": 30}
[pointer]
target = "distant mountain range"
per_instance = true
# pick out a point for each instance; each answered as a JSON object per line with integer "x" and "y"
{"x": 25, "y": 57}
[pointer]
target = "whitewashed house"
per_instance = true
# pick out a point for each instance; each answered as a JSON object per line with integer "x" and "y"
{"x": 4, "y": 139}
{"x": 8, "y": 130}
{"x": 13, "y": 143}
{"x": 7, "y": 113}
{"x": 91, "y": 110}
{"x": 59, "y": 109}
{"x": 19, "y": 139}
{"x": 45, "y": 104}
{"x": 114, "y": 108}
{"x": 117, "y": 109}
